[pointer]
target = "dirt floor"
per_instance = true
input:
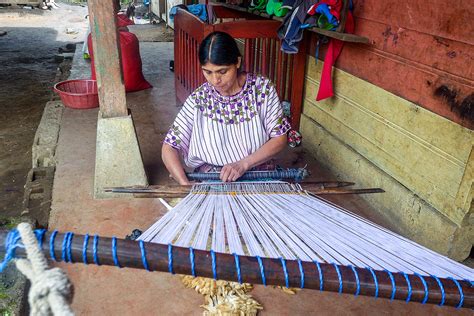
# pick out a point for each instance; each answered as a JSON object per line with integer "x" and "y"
{"x": 30, "y": 41}
{"x": 27, "y": 73}
{"x": 29, "y": 68}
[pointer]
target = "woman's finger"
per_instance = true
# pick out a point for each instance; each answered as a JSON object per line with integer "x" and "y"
{"x": 236, "y": 175}
{"x": 225, "y": 173}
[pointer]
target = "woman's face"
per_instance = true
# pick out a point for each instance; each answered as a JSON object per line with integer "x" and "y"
{"x": 222, "y": 78}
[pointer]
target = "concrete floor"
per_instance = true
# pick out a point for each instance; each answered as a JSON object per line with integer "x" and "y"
{"x": 113, "y": 291}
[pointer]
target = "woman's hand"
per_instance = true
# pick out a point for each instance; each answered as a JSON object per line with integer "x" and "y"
{"x": 184, "y": 182}
{"x": 172, "y": 162}
{"x": 233, "y": 171}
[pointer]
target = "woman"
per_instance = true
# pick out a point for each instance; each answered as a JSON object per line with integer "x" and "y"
{"x": 234, "y": 120}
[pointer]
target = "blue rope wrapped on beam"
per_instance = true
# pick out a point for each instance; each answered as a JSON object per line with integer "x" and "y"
{"x": 274, "y": 271}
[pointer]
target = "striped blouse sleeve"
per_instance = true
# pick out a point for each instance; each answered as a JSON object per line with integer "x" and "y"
{"x": 179, "y": 134}
{"x": 276, "y": 124}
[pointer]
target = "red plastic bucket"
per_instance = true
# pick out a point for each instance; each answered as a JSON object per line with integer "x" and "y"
{"x": 78, "y": 94}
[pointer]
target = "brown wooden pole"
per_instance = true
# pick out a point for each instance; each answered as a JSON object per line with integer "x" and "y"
{"x": 297, "y": 81}
{"x": 180, "y": 194}
{"x": 181, "y": 191}
{"x": 129, "y": 254}
{"x": 344, "y": 13}
{"x": 105, "y": 40}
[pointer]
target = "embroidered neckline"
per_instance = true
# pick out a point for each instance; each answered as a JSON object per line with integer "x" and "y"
{"x": 230, "y": 98}
{"x": 239, "y": 108}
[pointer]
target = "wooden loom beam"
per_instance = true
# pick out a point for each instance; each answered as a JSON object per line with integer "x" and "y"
{"x": 129, "y": 255}
{"x": 180, "y": 191}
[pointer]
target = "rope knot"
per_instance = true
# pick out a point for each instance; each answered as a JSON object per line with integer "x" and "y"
{"x": 52, "y": 281}
{"x": 51, "y": 290}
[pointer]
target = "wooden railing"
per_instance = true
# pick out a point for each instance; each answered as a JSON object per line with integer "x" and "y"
{"x": 261, "y": 51}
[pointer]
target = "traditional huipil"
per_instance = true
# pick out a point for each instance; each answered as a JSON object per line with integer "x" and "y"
{"x": 215, "y": 130}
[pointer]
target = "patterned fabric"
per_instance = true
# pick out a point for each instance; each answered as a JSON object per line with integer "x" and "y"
{"x": 217, "y": 130}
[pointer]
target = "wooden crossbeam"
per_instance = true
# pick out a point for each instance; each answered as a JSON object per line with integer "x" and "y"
{"x": 180, "y": 191}
{"x": 338, "y": 34}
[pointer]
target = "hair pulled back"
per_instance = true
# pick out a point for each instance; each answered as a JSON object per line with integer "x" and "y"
{"x": 220, "y": 49}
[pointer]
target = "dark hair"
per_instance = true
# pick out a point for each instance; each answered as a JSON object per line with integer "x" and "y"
{"x": 219, "y": 48}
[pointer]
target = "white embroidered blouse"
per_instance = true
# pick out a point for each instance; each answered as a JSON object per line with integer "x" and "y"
{"x": 217, "y": 130}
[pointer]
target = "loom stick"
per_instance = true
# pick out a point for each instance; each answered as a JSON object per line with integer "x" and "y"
{"x": 288, "y": 174}
{"x": 158, "y": 191}
{"x": 129, "y": 255}
{"x": 187, "y": 188}
{"x": 180, "y": 191}
{"x": 344, "y": 191}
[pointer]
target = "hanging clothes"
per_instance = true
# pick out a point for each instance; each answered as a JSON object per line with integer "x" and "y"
{"x": 198, "y": 10}
{"x": 305, "y": 13}
{"x": 334, "y": 7}
{"x": 290, "y": 32}
{"x": 335, "y": 46}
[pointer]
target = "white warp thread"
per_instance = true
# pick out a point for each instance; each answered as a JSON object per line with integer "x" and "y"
{"x": 51, "y": 290}
{"x": 280, "y": 220}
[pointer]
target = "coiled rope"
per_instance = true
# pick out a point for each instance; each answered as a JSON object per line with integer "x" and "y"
{"x": 51, "y": 290}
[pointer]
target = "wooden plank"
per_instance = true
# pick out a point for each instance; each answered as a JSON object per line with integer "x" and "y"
{"x": 279, "y": 72}
{"x": 343, "y": 17}
{"x": 190, "y": 23}
{"x": 435, "y": 19}
{"x": 413, "y": 65}
{"x": 247, "y": 29}
{"x": 429, "y": 157}
{"x": 346, "y": 37}
{"x": 189, "y": 32}
{"x": 181, "y": 191}
{"x": 284, "y": 77}
{"x": 258, "y": 54}
{"x": 265, "y": 56}
{"x": 337, "y": 35}
{"x": 298, "y": 78}
{"x": 177, "y": 194}
{"x": 290, "y": 75}
{"x": 274, "y": 47}
{"x": 464, "y": 197}
{"x": 225, "y": 11}
{"x": 105, "y": 40}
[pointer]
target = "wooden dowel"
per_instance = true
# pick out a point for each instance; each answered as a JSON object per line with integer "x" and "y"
{"x": 187, "y": 188}
{"x": 179, "y": 191}
{"x": 325, "y": 184}
{"x": 344, "y": 12}
{"x": 346, "y": 191}
{"x": 129, "y": 255}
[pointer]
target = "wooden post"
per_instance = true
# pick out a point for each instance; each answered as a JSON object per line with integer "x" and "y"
{"x": 118, "y": 159}
{"x": 297, "y": 79}
{"x": 105, "y": 40}
{"x": 344, "y": 12}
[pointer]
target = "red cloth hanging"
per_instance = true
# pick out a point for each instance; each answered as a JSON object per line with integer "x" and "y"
{"x": 335, "y": 47}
